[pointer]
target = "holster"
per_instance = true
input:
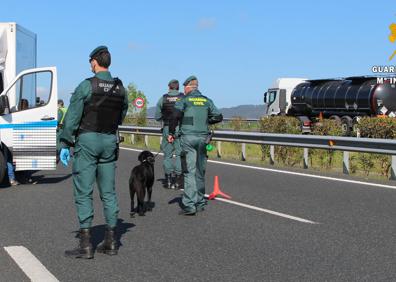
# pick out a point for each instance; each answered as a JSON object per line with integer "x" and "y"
{"x": 183, "y": 160}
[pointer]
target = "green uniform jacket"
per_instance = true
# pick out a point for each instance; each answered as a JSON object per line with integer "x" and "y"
{"x": 75, "y": 110}
{"x": 196, "y": 112}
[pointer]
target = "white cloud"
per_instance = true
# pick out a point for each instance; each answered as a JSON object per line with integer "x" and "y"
{"x": 42, "y": 90}
{"x": 136, "y": 46}
{"x": 206, "y": 23}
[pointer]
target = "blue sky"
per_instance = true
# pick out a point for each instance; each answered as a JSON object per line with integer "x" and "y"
{"x": 235, "y": 48}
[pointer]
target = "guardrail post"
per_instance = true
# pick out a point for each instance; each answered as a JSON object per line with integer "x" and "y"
{"x": 272, "y": 154}
{"x": 146, "y": 140}
{"x": 345, "y": 162}
{"x": 393, "y": 168}
{"x": 218, "y": 144}
{"x": 306, "y": 158}
{"x": 243, "y": 152}
{"x": 132, "y": 138}
{"x": 160, "y": 140}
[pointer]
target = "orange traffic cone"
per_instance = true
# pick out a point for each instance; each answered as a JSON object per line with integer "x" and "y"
{"x": 216, "y": 190}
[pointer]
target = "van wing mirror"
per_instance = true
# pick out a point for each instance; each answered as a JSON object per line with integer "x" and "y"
{"x": 265, "y": 98}
{"x": 4, "y": 105}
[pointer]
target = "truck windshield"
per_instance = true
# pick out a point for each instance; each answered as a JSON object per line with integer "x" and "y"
{"x": 270, "y": 97}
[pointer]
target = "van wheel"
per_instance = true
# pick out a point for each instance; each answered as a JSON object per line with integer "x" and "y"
{"x": 3, "y": 167}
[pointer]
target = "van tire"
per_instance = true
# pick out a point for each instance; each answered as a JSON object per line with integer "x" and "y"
{"x": 3, "y": 167}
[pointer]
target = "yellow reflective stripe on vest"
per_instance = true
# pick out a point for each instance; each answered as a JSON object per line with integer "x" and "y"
{"x": 63, "y": 110}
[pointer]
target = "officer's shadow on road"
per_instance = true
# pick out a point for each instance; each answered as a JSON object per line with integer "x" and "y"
{"x": 176, "y": 200}
{"x": 50, "y": 179}
{"x": 28, "y": 178}
{"x": 98, "y": 231}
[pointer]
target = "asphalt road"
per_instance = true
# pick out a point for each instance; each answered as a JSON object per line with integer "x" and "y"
{"x": 353, "y": 238}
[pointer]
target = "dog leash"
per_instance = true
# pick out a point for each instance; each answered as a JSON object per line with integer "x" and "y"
{"x": 161, "y": 150}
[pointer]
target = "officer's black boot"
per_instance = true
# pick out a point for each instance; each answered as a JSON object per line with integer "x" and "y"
{"x": 109, "y": 245}
{"x": 84, "y": 249}
{"x": 173, "y": 181}
{"x": 168, "y": 181}
{"x": 179, "y": 182}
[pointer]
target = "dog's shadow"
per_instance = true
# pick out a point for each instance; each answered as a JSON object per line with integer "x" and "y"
{"x": 98, "y": 231}
{"x": 148, "y": 207}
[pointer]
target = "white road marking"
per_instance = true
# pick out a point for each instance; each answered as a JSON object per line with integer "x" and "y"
{"x": 264, "y": 210}
{"x": 29, "y": 264}
{"x": 295, "y": 173}
{"x": 246, "y": 205}
{"x": 308, "y": 175}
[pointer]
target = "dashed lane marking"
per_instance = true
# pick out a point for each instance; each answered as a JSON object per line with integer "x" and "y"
{"x": 29, "y": 264}
{"x": 291, "y": 217}
{"x": 264, "y": 210}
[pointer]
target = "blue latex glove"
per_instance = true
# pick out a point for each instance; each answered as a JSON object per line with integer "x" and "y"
{"x": 64, "y": 156}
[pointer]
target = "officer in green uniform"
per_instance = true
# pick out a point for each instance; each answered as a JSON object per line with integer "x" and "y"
{"x": 61, "y": 116}
{"x": 194, "y": 113}
{"x": 164, "y": 112}
{"x": 97, "y": 107}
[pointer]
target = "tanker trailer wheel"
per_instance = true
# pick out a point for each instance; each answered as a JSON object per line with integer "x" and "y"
{"x": 346, "y": 125}
{"x": 3, "y": 167}
{"x": 336, "y": 118}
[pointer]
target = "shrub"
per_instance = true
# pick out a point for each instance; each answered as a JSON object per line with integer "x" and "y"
{"x": 290, "y": 156}
{"x": 377, "y": 127}
{"x": 325, "y": 127}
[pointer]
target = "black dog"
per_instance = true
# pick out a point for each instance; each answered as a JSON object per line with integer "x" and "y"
{"x": 142, "y": 178}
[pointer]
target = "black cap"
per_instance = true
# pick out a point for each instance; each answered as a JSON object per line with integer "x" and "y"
{"x": 97, "y": 50}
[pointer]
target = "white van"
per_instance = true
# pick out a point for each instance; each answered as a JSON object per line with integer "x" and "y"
{"x": 28, "y": 103}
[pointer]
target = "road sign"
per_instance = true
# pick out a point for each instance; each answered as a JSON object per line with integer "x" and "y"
{"x": 139, "y": 102}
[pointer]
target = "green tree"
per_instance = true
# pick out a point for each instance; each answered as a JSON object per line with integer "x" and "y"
{"x": 135, "y": 115}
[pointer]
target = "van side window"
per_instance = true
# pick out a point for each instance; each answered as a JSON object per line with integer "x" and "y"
{"x": 30, "y": 91}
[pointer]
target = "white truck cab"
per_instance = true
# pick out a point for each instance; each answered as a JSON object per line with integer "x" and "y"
{"x": 28, "y": 103}
{"x": 277, "y": 98}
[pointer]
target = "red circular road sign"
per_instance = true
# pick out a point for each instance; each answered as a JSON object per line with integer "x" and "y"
{"x": 139, "y": 102}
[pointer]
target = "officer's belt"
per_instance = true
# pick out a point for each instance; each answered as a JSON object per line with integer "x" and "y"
{"x": 82, "y": 130}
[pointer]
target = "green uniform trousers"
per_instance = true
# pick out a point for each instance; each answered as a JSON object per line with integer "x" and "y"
{"x": 194, "y": 180}
{"x": 168, "y": 149}
{"x": 58, "y": 144}
{"x": 94, "y": 159}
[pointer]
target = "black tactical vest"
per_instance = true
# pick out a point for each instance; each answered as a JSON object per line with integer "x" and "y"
{"x": 168, "y": 106}
{"x": 103, "y": 112}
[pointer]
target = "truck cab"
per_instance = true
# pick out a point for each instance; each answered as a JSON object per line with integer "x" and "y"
{"x": 278, "y": 97}
{"x": 28, "y": 103}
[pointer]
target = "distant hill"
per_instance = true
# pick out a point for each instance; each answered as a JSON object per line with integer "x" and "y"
{"x": 245, "y": 111}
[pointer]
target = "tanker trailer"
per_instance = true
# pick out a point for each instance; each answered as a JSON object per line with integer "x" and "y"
{"x": 344, "y": 99}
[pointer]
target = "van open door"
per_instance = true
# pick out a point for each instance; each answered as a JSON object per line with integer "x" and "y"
{"x": 28, "y": 119}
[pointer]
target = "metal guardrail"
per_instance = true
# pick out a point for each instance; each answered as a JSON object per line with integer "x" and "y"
{"x": 346, "y": 144}
{"x": 226, "y": 121}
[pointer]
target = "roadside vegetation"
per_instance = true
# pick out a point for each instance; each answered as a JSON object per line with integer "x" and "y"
{"x": 370, "y": 166}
